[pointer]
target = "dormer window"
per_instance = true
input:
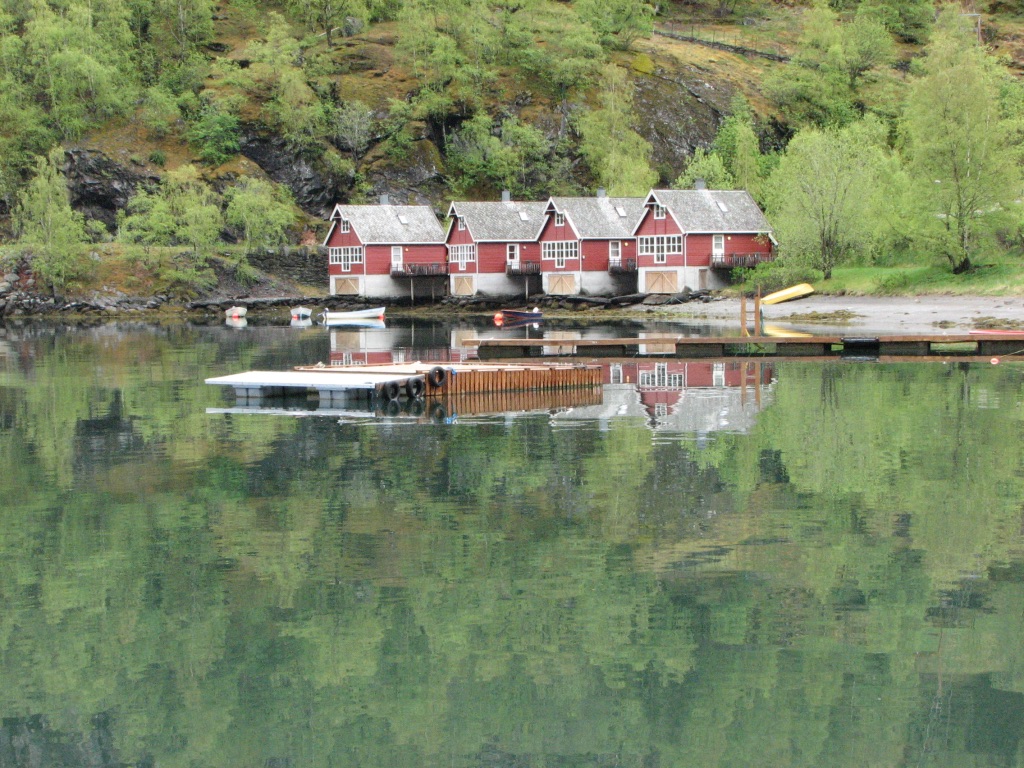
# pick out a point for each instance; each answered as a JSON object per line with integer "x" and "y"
{"x": 345, "y": 228}
{"x": 559, "y": 219}
{"x": 659, "y": 211}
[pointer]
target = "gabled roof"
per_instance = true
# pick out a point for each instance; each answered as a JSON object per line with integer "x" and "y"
{"x": 506, "y": 221}
{"x": 600, "y": 218}
{"x": 391, "y": 224}
{"x": 711, "y": 210}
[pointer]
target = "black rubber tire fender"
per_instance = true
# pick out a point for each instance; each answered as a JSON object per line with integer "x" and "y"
{"x": 390, "y": 390}
{"x": 414, "y": 388}
{"x": 437, "y": 376}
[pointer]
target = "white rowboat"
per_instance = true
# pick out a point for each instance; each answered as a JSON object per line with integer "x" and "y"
{"x": 377, "y": 313}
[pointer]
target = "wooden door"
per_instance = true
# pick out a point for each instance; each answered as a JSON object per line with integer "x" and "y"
{"x": 346, "y": 286}
{"x": 562, "y": 285}
{"x": 661, "y": 282}
{"x": 463, "y": 286}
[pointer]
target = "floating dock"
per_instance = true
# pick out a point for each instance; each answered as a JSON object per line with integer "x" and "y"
{"x": 412, "y": 381}
{"x": 692, "y": 347}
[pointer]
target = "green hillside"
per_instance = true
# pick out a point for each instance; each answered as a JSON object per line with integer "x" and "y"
{"x": 874, "y": 132}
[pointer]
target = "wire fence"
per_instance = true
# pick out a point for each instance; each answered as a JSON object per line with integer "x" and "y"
{"x": 711, "y": 37}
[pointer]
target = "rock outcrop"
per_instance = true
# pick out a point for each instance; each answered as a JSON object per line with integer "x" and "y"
{"x": 100, "y": 186}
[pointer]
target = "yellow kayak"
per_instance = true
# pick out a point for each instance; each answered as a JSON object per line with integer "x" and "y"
{"x": 787, "y": 294}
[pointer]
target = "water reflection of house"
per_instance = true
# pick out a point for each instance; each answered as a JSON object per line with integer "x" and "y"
{"x": 383, "y": 346}
{"x": 683, "y": 396}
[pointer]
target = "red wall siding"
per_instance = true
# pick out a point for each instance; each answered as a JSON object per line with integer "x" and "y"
{"x": 751, "y": 243}
{"x": 339, "y": 239}
{"x": 377, "y": 259}
{"x": 456, "y": 237}
{"x": 490, "y": 258}
{"x": 698, "y": 250}
{"x": 424, "y": 254}
{"x": 652, "y": 226}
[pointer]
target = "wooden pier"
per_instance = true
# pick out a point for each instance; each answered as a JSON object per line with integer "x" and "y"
{"x": 691, "y": 347}
{"x": 412, "y": 381}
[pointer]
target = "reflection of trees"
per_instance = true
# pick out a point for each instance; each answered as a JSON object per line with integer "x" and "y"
{"x": 307, "y": 592}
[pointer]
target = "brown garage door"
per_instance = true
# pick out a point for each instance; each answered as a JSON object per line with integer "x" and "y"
{"x": 562, "y": 285}
{"x": 346, "y": 286}
{"x": 463, "y": 286}
{"x": 661, "y": 282}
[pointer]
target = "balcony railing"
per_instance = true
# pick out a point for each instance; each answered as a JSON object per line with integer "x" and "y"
{"x": 418, "y": 270}
{"x": 734, "y": 260}
{"x": 617, "y": 264}
{"x": 518, "y": 268}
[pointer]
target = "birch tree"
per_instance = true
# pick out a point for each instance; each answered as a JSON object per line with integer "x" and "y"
{"x": 963, "y": 152}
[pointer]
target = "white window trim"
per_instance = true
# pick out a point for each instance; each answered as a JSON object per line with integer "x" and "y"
{"x": 462, "y": 254}
{"x": 718, "y": 245}
{"x": 462, "y": 223}
{"x": 560, "y": 251}
{"x": 396, "y": 255}
{"x": 659, "y": 211}
{"x": 347, "y": 256}
{"x": 615, "y": 250}
{"x": 659, "y": 246}
{"x": 345, "y": 226}
{"x": 559, "y": 219}
{"x": 512, "y": 253}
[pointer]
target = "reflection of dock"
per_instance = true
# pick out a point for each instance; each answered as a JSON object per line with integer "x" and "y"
{"x": 837, "y": 347}
{"x": 437, "y": 410}
{"x": 414, "y": 380}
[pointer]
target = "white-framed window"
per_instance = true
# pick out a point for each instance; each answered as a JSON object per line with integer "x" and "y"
{"x": 345, "y": 226}
{"x": 718, "y": 375}
{"x": 347, "y": 257}
{"x": 615, "y": 251}
{"x": 561, "y": 251}
{"x": 718, "y": 245}
{"x": 659, "y": 246}
{"x": 512, "y": 253}
{"x": 659, "y": 211}
{"x": 462, "y": 254}
{"x": 462, "y": 224}
{"x": 396, "y": 255}
{"x": 615, "y": 374}
{"x": 559, "y": 219}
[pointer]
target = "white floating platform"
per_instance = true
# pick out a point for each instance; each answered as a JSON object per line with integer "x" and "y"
{"x": 330, "y": 385}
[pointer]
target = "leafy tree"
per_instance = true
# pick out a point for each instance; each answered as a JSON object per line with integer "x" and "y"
{"x": 262, "y": 210}
{"x": 216, "y": 134}
{"x": 910, "y": 20}
{"x": 617, "y": 22}
{"x": 328, "y": 14}
{"x": 737, "y": 144}
{"x": 48, "y": 226}
{"x": 707, "y": 166}
{"x": 567, "y": 63}
{"x": 963, "y": 152}
{"x": 618, "y": 156}
{"x": 819, "y": 87}
{"x": 353, "y": 128}
{"x": 511, "y": 156}
{"x": 822, "y": 197}
{"x": 183, "y": 211}
{"x": 160, "y": 111}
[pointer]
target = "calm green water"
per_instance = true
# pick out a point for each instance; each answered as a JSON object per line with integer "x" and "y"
{"x": 831, "y": 574}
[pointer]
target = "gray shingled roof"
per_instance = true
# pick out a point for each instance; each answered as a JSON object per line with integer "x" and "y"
{"x": 710, "y": 210}
{"x": 601, "y": 217}
{"x": 384, "y": 223}
{"x": 501, "y": 221}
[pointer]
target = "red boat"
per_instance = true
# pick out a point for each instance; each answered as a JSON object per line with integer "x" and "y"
{"x": 517, "y": 316}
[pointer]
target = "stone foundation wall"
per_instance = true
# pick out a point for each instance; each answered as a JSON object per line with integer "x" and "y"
{"x": 303, "y": 264}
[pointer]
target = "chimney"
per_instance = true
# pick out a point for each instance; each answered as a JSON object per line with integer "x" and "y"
{"x": 506, "y": 196}
{"x": 699, "y": 184}
{"x": 601, "y": 192}
{"x": 384, "y": 200}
